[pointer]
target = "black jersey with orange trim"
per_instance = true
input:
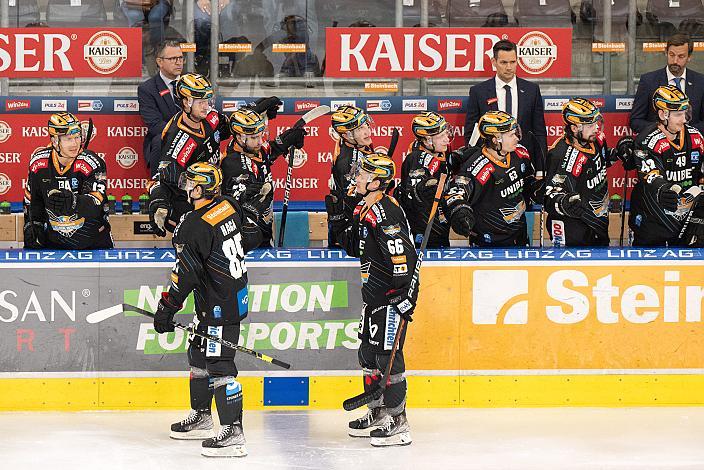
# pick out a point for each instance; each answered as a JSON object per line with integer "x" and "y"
{"x": 87, "y": 226}
{"x": 660, "y": 161}
{"x": 498, "y": 192}
{"x": 211, "y": 243}
{"x": 380, "y": 237}
{"x": 181, "y": 147}
{"x": 582, "y": 170}
{"x": 344, "y": 158}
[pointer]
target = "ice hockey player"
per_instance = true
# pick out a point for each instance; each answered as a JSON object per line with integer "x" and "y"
{"x": 193, "y": 135}
{"x": 377, "y": 233}
{"x": 353, "y": 127}
{"x": 211, "y": 242}
{"x": 488, "y": 197}
{"x": 247, "y": 167}
{"x": 577, "y": 189}
{"x": 65, "y": 200}
{"x": 666, "y": 208}
{"x": 420, "y": 173}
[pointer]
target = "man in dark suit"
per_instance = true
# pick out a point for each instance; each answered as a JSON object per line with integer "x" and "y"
{"x": 156, "y": 99}
{"x": 515, "y": 96}
{"x": 678, "y": 53}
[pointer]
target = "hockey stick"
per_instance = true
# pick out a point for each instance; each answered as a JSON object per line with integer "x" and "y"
{"x": 623, "y": 207}
{"x": 89, "y": 133}
{"x": 393, "y": 143}
{"x": 305, "y": 119}
{"x": 224, "y": 342}
{"x": 374, "y": 394}
{"x": 685, "y": 225}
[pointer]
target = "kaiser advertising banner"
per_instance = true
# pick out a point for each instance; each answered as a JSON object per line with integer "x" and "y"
{"x": 479, "y": 311}
{"x": 70, "y": 53}
{"x": 442, "y": 52}
{"x": 119, "y": 133}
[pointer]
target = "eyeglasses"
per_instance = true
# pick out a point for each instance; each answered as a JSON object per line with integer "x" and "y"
{"x": 175, "y": 59}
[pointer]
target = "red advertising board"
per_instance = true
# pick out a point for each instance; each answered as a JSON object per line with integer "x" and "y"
{"x": 443, "y": 52}
{"x": 70, "y": 53}
{"x": 118, "y": 139}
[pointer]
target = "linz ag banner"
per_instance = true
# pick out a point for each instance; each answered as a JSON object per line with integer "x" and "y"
{"x": 71, "y": 53}
{"x": 443, "y": 52}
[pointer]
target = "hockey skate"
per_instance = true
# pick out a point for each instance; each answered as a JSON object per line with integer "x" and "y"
{"x": 395, "y": 432}
{"x": 228, "y": 443}
{"x": 198, "y": 425}
{"x": 375, "y": 418}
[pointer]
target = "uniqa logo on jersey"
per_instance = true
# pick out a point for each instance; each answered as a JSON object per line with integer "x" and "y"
{"x": 105, "y": 52}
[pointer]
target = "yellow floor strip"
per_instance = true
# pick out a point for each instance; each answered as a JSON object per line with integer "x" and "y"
{"x": 328, "y": 392}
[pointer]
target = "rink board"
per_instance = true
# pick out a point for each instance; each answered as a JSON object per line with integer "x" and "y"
{"x": 493, "y": 328}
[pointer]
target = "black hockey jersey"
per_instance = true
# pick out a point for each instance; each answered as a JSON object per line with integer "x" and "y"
{"x": 379, "y": 236}
{"x": 418, "y": 167}
{"x": 658, "y": 160}
{"x": 343, "y": 159}
{"x": 181, "y": 147}
{"x": 87, "y": 227}
{"x": 240, "y": 170}
{"x": 498, "y": 193}
{"x": 211, "y": 243}
{"x": 582, "y": 170}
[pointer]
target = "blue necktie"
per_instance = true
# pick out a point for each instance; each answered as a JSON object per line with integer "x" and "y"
{"x": 678, "y": 83}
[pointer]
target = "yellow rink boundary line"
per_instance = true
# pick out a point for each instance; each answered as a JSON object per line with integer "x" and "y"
{"x": 327, "y": 392}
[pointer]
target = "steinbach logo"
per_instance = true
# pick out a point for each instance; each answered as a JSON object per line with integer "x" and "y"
{"x": 307, "y": 105}
{"x": 105, "y": 52}
{"x": 570, "y": 296}
{"x": 16, "y": 105}
{"x": 90, "y": 105}
{"x": 5, "y": 131}
{"x": 444, "y": 105}
{"x": 53, "y": 105}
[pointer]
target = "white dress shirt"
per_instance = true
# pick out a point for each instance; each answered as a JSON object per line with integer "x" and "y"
{"x": 168, "y": 83}
{"x": 501, "y": 95}
{"x": 671, "y": 79}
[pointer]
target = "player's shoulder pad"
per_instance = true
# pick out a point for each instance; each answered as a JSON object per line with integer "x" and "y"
{"x": 213, "y": 119}
{"x": 478, "y": 163}
{"x": 522, "y": 152}
{"x": 92, "y": 159}
{"x": 40, "y": 159}
{"x": 655, "y": 141}
{"x": 695, "y": 136}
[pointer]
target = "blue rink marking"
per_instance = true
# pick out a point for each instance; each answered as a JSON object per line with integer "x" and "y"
{"x": 164, "y": 255}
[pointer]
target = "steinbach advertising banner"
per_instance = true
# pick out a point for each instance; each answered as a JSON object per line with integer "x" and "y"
{"x": 119, "y": 133}
{"x": 482, "y": 311}
{"x": 443, "y": 52}
{"x": 70, "y": 53}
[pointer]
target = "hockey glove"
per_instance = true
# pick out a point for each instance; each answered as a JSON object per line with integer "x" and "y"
{"x": 667, "y": 196}
{"x": 269, "y": 105}
{"x": 164, "y": 316}
{"x": 424, "y": 191}
{"x": 462, "y": 219}
{"x": 624, "y": 152}
{"x": 335, "y": 208}
{"x": 570, "y": 205}
{"x": 399, "y": 300}
{"x": 61, "y": 201}
{"x": 158, "y": 212}
{"x": 257, "y": 206}
{"x": 293, "y": 137}
{"x": 34, "y": 235}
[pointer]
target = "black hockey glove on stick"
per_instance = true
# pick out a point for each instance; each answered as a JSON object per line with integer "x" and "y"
{"x": 224, "y": 342}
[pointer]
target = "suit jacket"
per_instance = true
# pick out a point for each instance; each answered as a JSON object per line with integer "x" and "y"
{"x": 482, "y": 98}
{"x": 643, "y": 114}
{"x": 156, "y": 107}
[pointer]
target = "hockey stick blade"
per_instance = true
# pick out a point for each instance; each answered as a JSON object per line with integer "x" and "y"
{"x": 363, "y": 399}
{"x": 314, "y": 113}
{"x": 257, "y": 354}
